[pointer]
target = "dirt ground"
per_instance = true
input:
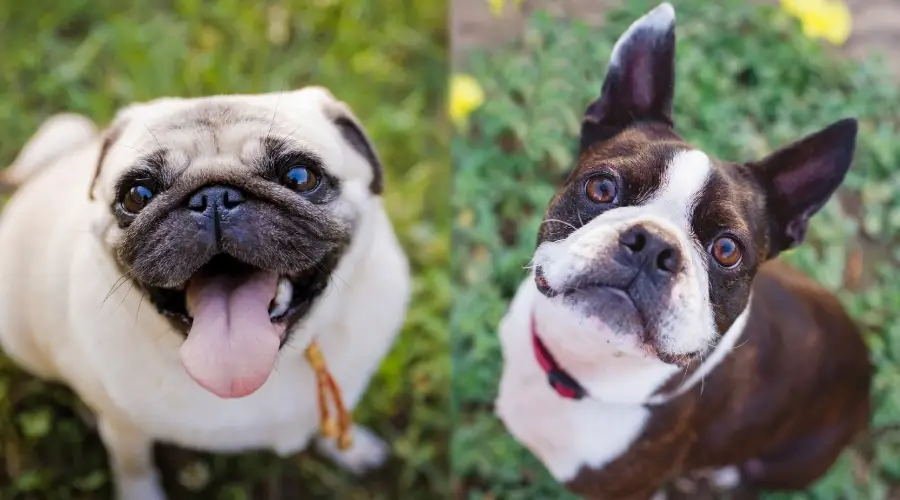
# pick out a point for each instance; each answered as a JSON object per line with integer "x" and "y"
{"x": 876, "y": 24}
{"x": 473, "y": 26}
{"x": 876, "y": 28}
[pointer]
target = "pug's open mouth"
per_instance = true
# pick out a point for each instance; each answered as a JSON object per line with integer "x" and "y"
{"x": 294, "y": 293}
{"x": 236, "y": 317}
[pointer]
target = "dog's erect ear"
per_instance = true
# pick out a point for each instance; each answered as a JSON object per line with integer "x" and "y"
{"x": 353, "y": 132}
{"x": 110, "y": 136}
{"x": 801, "y": 177}
{"x": 640, "y": 80}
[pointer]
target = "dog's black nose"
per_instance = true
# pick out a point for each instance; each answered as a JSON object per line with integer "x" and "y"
{"x": 215, "y": 199}
{"x": 651, "y": 249}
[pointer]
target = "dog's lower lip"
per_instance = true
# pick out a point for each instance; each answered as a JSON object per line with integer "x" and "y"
{"x": 680, "y": 360}
{"x": 542, "y": 284}
{"x": 597, "y": 286}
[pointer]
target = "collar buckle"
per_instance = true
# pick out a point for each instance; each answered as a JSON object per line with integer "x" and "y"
{"x": 559, "y": 380}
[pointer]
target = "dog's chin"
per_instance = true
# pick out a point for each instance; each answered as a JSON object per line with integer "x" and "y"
{"x": 293, "y": 299}
{"x": 620, "y": 329}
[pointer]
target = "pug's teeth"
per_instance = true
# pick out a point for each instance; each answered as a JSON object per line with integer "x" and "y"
{"x": 282, "y": 299}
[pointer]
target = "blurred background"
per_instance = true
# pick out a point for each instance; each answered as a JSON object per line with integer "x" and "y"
{"x": 752, "y": 76}
{"x": 387, "y": 59}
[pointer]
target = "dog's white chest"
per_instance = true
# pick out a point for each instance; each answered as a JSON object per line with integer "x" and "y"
{"x": 564, "y": 434}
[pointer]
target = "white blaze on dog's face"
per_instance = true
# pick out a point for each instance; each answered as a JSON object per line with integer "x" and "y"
{"x": 231, "y": 213}
{"x": 648, "y": 251}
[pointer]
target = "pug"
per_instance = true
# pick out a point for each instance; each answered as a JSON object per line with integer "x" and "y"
{"x": 173, "y": 269}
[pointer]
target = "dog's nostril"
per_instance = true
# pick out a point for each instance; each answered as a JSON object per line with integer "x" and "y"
{"x": 635, "y": 239}
{"x": 232, "y": 198}
{"x": 668, "y": 260}
{"x": 224, "y": 197}
{"x": 197, "y": 202}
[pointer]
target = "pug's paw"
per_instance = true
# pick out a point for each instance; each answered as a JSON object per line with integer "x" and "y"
{"x": 144, "y": 487}
{"x": 367, "y": 452}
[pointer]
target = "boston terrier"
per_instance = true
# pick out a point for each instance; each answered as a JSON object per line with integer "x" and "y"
{"x": 672, "y": 340}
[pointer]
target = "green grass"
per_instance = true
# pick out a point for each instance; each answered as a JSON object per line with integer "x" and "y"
{"x": 748, "y": 82}
{"x": 387, "y": 59}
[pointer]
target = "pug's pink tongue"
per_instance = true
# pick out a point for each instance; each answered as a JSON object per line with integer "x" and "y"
{"x": 231, "y": 348}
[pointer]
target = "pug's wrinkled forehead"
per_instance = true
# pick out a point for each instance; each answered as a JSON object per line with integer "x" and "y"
{"x": 234, "y": 132}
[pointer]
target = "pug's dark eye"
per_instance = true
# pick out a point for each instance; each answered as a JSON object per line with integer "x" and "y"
{"x": 601, "y": 189}
{"x": 726, "y": 252}
{"x": 301, "y": 179}
{"x": 136, "y": 198}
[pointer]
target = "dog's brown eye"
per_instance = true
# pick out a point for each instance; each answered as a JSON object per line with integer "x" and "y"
{"x": 136, "y": 198}
{"x": 301, "y": 179}
{"x": 726, "y": 252}
{"x": 601, "y": 189}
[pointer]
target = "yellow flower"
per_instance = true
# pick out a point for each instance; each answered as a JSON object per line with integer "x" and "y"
{"x": 796, "y": 8}
{"x": 827, "y": 19}
{"x": 497, "y": 6}
{"x": 465, "y": 96}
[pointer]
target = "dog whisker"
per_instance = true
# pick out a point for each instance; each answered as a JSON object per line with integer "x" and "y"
{"x": 684, "y": 373}
{"x": 332, "y": 276}
{"x": 116, "y": 285}
{"x": 137, "y": 150}
{"x": 125, "y": 296}
{"x": 138, "y": 311}
{"x": 274, "y": 114}
{"x": 560, "y": 222}
{"x": 740, "y": 345}
{"x": 154, "y": 135}
{"x": 702, "y": 375}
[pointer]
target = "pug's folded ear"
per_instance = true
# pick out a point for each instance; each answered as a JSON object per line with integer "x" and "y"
{"x": 109, "y": 137}
{"x": 353, "y": 132}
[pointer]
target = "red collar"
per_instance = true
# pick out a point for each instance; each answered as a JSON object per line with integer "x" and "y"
{"x": 559, "y": 380}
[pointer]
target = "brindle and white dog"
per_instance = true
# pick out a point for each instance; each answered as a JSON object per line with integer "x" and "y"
{"x": 654, "y": 263}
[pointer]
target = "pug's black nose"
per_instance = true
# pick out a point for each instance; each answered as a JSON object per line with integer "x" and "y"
{"x": 215, "y": 199}
{"x": 650, "y": 249}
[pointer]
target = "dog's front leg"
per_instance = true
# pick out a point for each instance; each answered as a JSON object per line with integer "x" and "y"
{"x": 131, "y": 460}
{"x": 367, "y": 452}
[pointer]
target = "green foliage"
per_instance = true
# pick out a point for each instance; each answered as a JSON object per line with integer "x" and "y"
{"x": 748, "y": 82}
{"x": 387, "y": 59}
